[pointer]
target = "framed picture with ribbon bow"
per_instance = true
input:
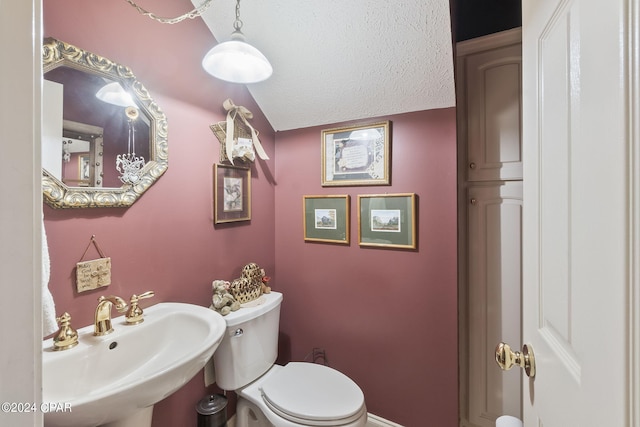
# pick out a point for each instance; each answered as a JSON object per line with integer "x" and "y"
{"x": 239, "y": 141}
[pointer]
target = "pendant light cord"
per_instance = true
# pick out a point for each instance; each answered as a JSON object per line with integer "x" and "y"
{"x": 195, "y": 13}
{"x": 237, "y": 24}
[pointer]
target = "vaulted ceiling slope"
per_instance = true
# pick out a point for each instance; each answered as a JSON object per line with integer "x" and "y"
{"x": 337, "y": 60}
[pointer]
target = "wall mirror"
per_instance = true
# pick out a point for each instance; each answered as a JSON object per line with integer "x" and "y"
{"x": 104, "y": 138}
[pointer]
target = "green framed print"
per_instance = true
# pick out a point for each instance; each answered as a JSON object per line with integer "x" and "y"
{"x": 326, "y": 218}
{"x": 387, "y": 220}
{"x": 356, "y": 155}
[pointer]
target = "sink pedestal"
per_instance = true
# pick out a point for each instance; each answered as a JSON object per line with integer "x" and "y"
{"x": 142, "y": 418}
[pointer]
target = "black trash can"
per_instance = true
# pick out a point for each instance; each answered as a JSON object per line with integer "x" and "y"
{"x": 212, "y": 411}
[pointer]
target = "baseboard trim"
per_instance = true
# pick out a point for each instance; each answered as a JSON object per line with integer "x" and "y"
{"x": 372, "y": 421}
{"x": 376, "y": 421}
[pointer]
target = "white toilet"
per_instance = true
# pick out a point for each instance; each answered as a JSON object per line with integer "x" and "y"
{"x": 269, "y": 395}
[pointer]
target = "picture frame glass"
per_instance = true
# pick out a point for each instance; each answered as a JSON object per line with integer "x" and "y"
{"x": 387, "y": 220}
{"x": 357, "y": 155}
{"x": 232, "y": 193}
{"x": 326, "y": 218}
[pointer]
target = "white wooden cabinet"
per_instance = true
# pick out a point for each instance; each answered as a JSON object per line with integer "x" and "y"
{"x": 494, "y": 285}
{"x": 489, "y": 104}
{"x": 491, "y": 80}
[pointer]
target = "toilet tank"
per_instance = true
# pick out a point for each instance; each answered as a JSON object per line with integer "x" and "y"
{"x": 250, "y": 345}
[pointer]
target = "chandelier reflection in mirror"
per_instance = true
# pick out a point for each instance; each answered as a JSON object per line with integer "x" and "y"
{"x": 129, "y": 165}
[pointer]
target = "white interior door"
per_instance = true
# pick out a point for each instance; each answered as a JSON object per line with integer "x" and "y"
{"x": 580, "y": 223}
{"x": 20, "y": 209}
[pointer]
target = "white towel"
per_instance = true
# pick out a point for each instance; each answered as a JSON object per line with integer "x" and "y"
{"x": 49, "y": 324}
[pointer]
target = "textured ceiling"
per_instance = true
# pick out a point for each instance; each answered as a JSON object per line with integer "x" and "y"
{"x": 337, "y": 60}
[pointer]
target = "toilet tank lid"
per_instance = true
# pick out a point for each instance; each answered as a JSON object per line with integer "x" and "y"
{"x": 255, "y": 308}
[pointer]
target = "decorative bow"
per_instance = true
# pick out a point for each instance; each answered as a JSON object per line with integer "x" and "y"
{"x": 234, "y": 111}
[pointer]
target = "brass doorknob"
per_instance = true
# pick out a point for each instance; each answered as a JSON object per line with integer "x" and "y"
{"x": 506, "y": 358}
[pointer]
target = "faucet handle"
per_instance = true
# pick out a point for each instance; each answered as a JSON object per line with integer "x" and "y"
{"x": 143, "y": 295}
{"x": 134, "y": 314}
{"x": 66, "y": 337}
{"x": 119, "y": 303}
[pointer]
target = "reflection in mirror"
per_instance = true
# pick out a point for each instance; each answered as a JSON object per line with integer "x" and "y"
{"x": 82, "y": 106}
{"x": 82, "y": 155}
{"x": 97, "y": 151}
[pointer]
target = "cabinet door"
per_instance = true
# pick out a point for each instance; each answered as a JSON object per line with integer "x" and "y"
{"x": 493, "y": 93}
{"x": 494, "y": 259}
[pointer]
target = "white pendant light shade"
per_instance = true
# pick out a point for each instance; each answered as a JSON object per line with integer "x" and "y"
{"x": 114, "y": 93}
{"x": 238, "y": 62}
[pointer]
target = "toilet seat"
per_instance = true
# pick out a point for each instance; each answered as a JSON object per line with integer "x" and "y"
{"x": 313, "y": 395}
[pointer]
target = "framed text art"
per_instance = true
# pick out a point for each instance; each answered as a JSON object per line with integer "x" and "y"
{"x": 387, "y": 220}
{"x": 326, "y": 218}
{"x": 357, "y": 155}
{"x": 231, "y": 193}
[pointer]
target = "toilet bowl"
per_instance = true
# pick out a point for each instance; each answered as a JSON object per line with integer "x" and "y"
{"x": 302, "y": 394}
{"x": 269, "y": 395}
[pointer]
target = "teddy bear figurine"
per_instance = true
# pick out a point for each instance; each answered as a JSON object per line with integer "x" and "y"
{"x": 266, "y": 289}
{"x": 223, "y": 301}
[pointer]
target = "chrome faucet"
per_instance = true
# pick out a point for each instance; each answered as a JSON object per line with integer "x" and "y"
{"x": 102, "y": 325}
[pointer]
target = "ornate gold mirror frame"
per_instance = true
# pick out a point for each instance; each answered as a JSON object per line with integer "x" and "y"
{"x": 57, "y": 194}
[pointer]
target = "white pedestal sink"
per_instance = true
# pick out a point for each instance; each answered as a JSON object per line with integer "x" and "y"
{"x": 117, "y": 378}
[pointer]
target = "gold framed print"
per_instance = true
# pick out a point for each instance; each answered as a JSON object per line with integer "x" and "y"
{"x": 231, "y": 193}
{"x": 326, "y": 219}
{"x": 356, "y": 155}
{"x": 387, "y": 220}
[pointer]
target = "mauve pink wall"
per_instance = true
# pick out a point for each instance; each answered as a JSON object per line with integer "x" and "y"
{"x": 166, "y": 241}
{"x": 387, "y": 318}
